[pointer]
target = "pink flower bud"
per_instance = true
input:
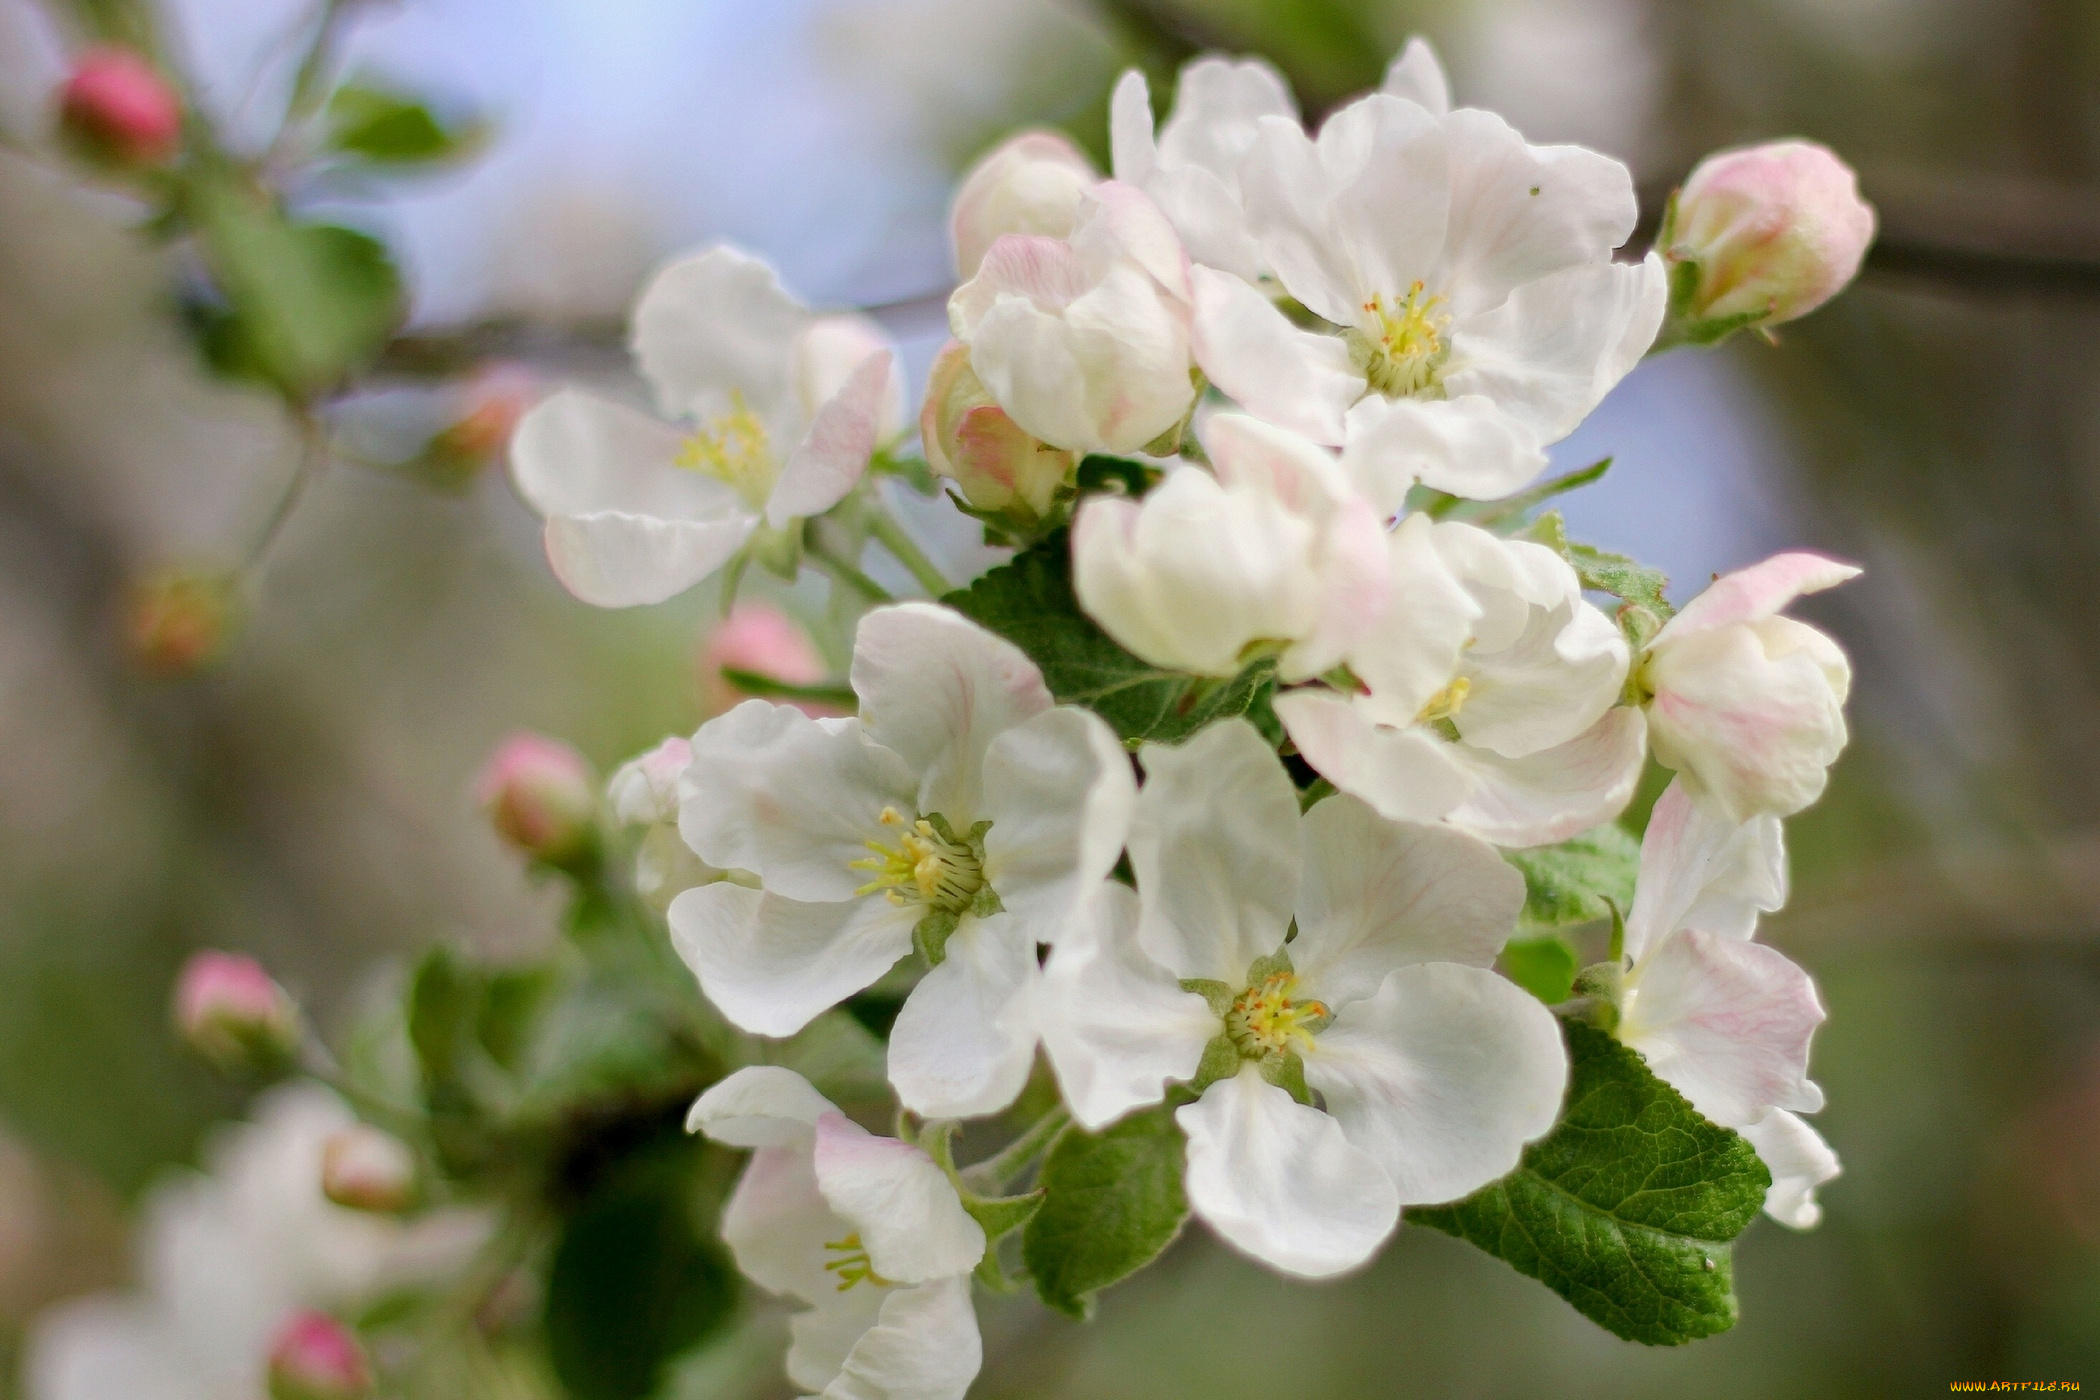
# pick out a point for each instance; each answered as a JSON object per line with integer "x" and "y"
{"x": 1778, "y": 228}
{"x": 540, "y": 797}
{"x": 491, "y": 404}
{"x": 970, "y": 440}
{"x": 316, "y": 1358}
{"x": 366, "y": 1169}
{"x": 230, "y": 1011}
{"x": 120, "y": 108}
{"x": 177, "y": 622}
{"x": 1029, "y": 184}
{"x": 766, "y": 642}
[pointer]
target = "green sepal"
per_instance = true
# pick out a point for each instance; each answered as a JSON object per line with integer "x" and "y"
{"x": 1508, "y": 513}
{"x": 1287, "y": 1072}
{"x": 1544, "y": 967}
{"x": 1000, "y": 1216}
{"x": 930, "y": 936}
{"x": 1219, "y": 996}
{"x": 1221, "y": 1060}
{"x": 778, "y": 552}
{"x": 1277, "y": 964}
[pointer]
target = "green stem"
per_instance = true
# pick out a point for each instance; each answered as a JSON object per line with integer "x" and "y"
{"x": 992, "y": 1174}
{"x": 886, "y": 528}
{"x": 847, "y": 574}
{"x": 313, "y": 456}
{"x": 317, "y": 1063}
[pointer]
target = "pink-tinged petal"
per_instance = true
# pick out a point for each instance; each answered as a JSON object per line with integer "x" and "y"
{"x": 1758, "y": 592}
{"x": 1701, "y": 871}
{"x": 831, "y": 460}
{"x": 1131, "y": 148}
{"x": 1030, "y": 183}
{"x": 1404, "y": 774}
{"x": 1045, "y": 271}
{"x": 1356, "y": 593}
{"x": 1418, "y": 77}
{"x": 760, "y": 1106}
{"x": 1116, "y": 218}
{"x": 1280, "y": 1181}
{"x": 1726, "y": 1023}
{"x": 1799, "y": 1161}
{"x": 772, "y": 965}
{"x": 1779, "y": 228}
{"x": 962, "y": 1047}
{"x": 1551, "y": 795}
{"x": 936, "y": 689}
{"x": 903, "y": 1206}
{"x": 1300, "y": 380}
{"x": 1442, "y": 1077}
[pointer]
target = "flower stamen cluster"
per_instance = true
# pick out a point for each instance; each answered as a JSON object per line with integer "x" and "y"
{"x": 735, "y": 450}
{"x": 1269, "y": 1018}
{"x": 853, "y": 1266}
{"x": 927, "y": 864}
{"x": 1406, "y": 358}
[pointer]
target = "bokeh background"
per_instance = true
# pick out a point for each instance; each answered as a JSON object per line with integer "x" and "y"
{"x": 307, "y": 799}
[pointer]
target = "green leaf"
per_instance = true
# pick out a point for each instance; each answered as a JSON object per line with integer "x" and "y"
{"x": 1510, "y": 509}
{"x": 1112, "y": 1201}
{"x": 305, "y": 305}
{"x": 606, "y": 1042}
{"x": 1544, "y": 967}
{"x": 1628, "y": 1208}
{"x": 1099, "y": 472}
{"x": 765, "y": 687}
{"x": 1578, "y": 881}
{"x": 636, "y": 1280}
{"x": 391, "y": 128}
{"x": 1029, "y": 602}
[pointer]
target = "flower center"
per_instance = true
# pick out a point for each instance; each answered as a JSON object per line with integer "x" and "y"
{"x": 1267, "y": 1019}
{"x": 735, "y": 450}
{"x": 852, "y": 1266}
{"x": 926, "y": 864}
{"x": 1446, "y": 703}
{"x": 1406, "y": 355}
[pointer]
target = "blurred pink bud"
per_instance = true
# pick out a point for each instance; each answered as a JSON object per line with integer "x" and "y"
{"x": 366, "y": 1169}
{"x": 1028, "y": 184}
{"x": 970, "y": 440}
{"x": 230, "y": 1011}
{"x": 1778, "y": 228}
{"x": 766, "y": 642}
{"x": 118, "y": 105}
{"x": 540, "y": 796}
{"x": 644, "y": 790}
{"x": 316, "y": 1358}
{"x": 178, "y": 622}
{"x": 491, "y": 404}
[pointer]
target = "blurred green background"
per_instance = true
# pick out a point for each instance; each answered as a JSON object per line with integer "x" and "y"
{"x": 307, "y": 799}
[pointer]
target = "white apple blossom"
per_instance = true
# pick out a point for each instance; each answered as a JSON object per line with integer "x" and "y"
{"x": 1723, "y": 1020}
{"x": 1476, "y": 314}
{"x": 1799, "y": 1161}
{"x": 1191, "y": 170}
{"x": 1749, "y": 706}
{"x": 1029, "y": 183}
{"x": 1270, "y": 550}
{"x": 644, "y": 792}
{"x": 1489, "y": 697}
{"x": 1434, "y": 1071}
{"x": 227, "y": 1256}
{"x": 772, "y": 415}
{"x": 1084, "y": 341}
{"x": 988, "y": 813}
{"x": 866, "y": 1230}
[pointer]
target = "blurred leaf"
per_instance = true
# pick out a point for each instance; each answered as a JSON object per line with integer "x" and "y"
{"x": 1544, "y": 967}
{"x": 765, "y": 687}
{"x": 1570, "y": 884}
{"x": 1628, "y": 1208}
{"x": 637, "y": 1279}
{"x": 839, "y": 1055}
{"x": 1510, "y": 509}
{"x": 390, "y": 128}
{"x": 1099, "y": 472}
{"x": 305, "y": 305}
{"x": 1029, "y": 602}
{"x": 1112, "y": 1201}
{"x": 607, "y": 1042}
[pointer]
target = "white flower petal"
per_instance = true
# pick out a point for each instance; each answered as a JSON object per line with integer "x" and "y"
{"x": 958, "y": 1050}
{"x": 760, "y": 1106}
{"x": 1799, "y": 1161}
{"x": 615, "y": 560}
{"x": 1214, "y": 844}
{"x": 904, "y": 1208}
{"x": 936, "y": 689}
{"x": 1726, "y": 1023}
{"x": 1417, "y": 76}
{"x": 792, "y": 799}
{"x": 1415, "y": 649}
{"x": 830, "y": 461}
{"x": 1296, "y": 379}
{"x": 1700, "y": 870}
{"x": 110, "y": 1346}
{"x": 1132, "y": 151}
{"x": 776, "y": 1224}
{"x": 924, "y": 1346}
{"x": 1551, "y": 683}
{"x": 1281, "y": 1182}
{"x": 1060, "y": 794}
{"x": 1442, "y": 1077}
{"x": 1379, "y": 895}
{"x": 1551, "y": 795}
{"x": 1030, "y": 183}
{"x": 821, "y": 1338}
{"x": 1763, "y": 590}
{"x": 715, "y": 329}
{"x": 1465, "y": 445}
{"x": 1116, "y": 1025}
{"x": 772, "y": 964}
{"x": 1405, "y": 774}
{"x": 577, "y": 454}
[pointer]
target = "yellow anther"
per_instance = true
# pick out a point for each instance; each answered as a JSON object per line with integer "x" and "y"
{"x": 734, "y": 449}
{"x": 1266, "y": 1019}
{"x": 1446, "y": 702}
{"x": 1405, "y": 355}
{"x": 921, "y": 866}
{"x": 853, "y": 1266}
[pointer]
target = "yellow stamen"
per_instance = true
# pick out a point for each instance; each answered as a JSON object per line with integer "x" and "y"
{"x": 1267, "y": 1020}
{"x": 734, "y": 449}
{"x": 1405, "y": 358}
{"x": 1446, "y": 702}
{"x": 921, "y": 866}
{"x": 853, "y": 1265}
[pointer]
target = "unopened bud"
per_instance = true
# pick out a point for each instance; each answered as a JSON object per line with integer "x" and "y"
{"x": 1031, "y": 183}
{"x": 366, "y": 1169}
{"x": 177, "y": 622}
{"x": 232, "y": 1013}
{"x": 1763, "y": 235}
{"x": 970, "y": 440}
{"x": 765, "y": 642}
{"x": 644, "y": 789}
{"x": 316, "y": 1358}
{"x": 490, "y": 406}
{"x": 539, "y": 795}
{"x": 118, "y": 108}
